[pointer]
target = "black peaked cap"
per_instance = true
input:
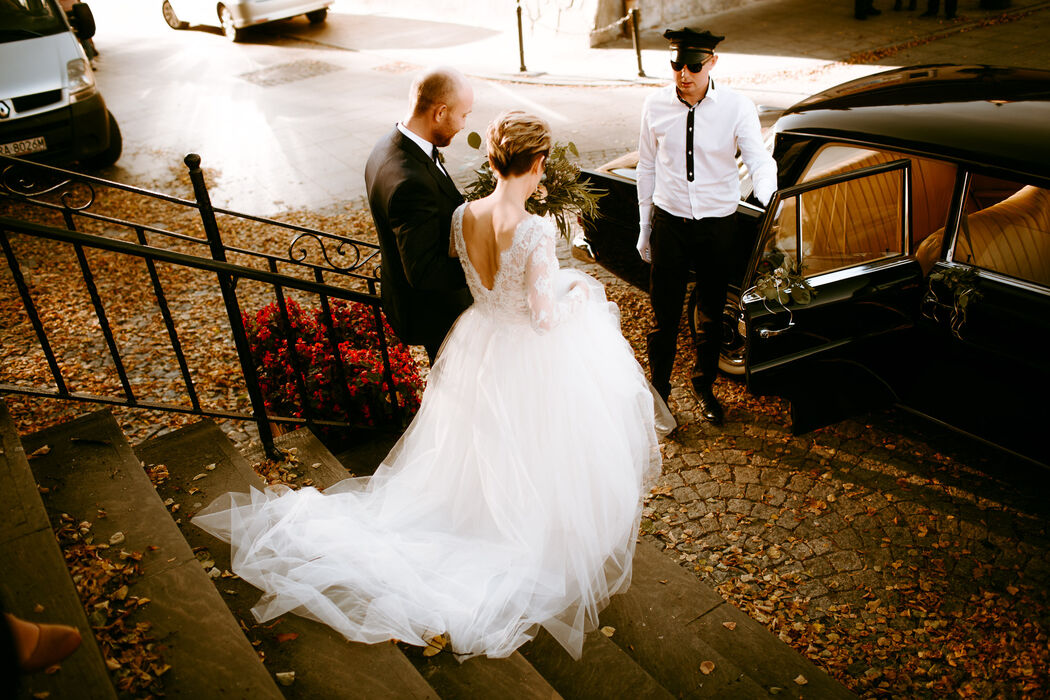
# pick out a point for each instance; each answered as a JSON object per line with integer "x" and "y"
{"x": 687, "y": 40}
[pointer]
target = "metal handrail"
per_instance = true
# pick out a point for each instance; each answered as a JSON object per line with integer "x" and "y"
{"x": 17, "y": 183}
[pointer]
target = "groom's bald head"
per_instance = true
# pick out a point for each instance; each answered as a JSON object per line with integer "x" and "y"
{"x": 440, "y": 101}
{"x": 436, "y": 87}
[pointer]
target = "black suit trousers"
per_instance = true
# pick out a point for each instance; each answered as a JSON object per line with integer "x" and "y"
{"x": 678, "y": 246}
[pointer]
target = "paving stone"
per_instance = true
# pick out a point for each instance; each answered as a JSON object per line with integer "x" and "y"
{"x": 775, "y": 496}
{"x": 847, "y": 539}
{"x": 720, "y": 472}
{"x": 819, "y": 567}
{"x": 812, "y": 589}
{"x": 684, "y": 494}
{"x": 708, "y": 489}
{"x": 692, "y": 459}
{"x": 754, "y": 492}
{"x": 695, "y": 476}
{"x": 730, "y": 491}
{"x": 821, "y": 545}
{"x": 845, "y": 560}
{"x": 800, "y": 484}
{"x": 746, "y": 475}
{"x": 763, "y": 511}
{"x": 788, "y": 520}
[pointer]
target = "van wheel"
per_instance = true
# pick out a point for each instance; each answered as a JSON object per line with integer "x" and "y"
{"x": 171, "y": 18}
{"x": 317, "y": 16}
{"x": 111, "y": 154}
{"x": 226, "y": 20}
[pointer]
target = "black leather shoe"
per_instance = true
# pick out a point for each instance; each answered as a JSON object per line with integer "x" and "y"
{"x": 708, "y": 405}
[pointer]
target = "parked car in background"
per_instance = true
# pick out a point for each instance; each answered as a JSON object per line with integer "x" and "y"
{"x": 905, "y": 258}
{"x": 233, "y": 16}
{"x": 50, "y": 107}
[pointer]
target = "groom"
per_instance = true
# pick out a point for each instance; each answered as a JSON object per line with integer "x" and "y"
{"x": 412, "y": 199}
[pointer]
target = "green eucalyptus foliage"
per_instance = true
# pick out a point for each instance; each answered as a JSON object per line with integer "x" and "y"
{"x": 560, "y": 195}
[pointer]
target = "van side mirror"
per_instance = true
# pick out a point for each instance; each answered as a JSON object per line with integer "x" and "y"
{"x": 82, "y": 20}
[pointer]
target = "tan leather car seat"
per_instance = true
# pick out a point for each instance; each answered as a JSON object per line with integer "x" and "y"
{"x": 1011, "y": 237}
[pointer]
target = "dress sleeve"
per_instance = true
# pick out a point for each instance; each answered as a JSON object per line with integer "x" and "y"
{"x": 547, "y": 306}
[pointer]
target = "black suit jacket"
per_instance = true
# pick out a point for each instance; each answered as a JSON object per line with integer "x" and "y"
{"x": 412, "y": 200}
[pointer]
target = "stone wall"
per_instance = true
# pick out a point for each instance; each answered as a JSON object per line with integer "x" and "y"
{"x": 590, "y": 19}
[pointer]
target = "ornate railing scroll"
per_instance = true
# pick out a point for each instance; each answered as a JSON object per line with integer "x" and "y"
{"x": 311, "y": 263}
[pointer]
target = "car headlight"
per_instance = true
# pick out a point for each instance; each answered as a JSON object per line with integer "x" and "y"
{"x": 80, "y": 79}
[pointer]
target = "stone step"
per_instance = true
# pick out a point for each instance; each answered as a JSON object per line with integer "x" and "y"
{"x": 603, "y": 671}
{"x": 91, "y": 467}
{"x": 324, "y": 663}
{"x": 36, "y": 578}
{"x": 671, "y": 623}
{"x": 478, "y": 678}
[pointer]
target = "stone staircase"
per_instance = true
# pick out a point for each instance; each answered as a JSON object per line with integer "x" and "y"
{"x": 665, "y": 626}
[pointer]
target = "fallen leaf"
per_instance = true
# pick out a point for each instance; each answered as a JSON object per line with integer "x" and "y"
{"x": 199, "y": 476}
{"x": 287, "y": 636}
{"x": 116, "y": 538}
{"x": 285, "y": 678}
{"x": 707, "y": 668}
{"x": 435, "y": 645}
{"x": 39, "y": 452}
{"x": 38, "y": 608}
{"x": 608, "y": 631}
{"x": 801, "y": 680}
{"x": 729, "y": 625}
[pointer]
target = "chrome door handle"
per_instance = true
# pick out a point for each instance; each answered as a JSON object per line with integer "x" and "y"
{"x": 769, "y": 333}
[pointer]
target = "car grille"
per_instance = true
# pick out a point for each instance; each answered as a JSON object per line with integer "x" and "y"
{"x": 40, "y": 99}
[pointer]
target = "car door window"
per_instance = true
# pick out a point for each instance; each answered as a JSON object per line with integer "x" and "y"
{"x": 1005, "y": 228}
{"x": 932, "y": 185}
{"x": 840, "y": 221}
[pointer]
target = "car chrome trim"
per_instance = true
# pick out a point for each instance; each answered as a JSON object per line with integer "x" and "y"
{"x": 993, "y": 276}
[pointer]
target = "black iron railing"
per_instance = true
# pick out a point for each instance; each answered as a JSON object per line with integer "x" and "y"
{"x": 315, "y": 263}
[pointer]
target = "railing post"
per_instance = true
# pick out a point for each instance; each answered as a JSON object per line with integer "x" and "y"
{"x": 229, "y": 296}
{"x": 636, "y": 41}
{"x": 521, "y": 41}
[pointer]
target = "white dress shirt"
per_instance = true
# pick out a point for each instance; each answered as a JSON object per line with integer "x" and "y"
{"x": 724, "y": 120}
{"x": 427, "y": 147}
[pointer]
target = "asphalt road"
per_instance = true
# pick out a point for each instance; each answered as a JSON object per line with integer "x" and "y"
{"x": 284, "y": 123}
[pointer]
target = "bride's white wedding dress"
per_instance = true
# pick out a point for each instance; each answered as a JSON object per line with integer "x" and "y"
{"x": 511, "y": 501}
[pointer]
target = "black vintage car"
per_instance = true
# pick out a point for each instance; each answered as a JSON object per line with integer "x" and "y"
{"x": 905, "y": 258}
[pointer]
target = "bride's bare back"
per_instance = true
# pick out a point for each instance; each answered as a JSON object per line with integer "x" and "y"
{"x": 488, "y": 230}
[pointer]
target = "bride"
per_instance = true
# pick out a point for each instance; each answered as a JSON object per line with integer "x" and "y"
{"x": 512, "y": 501}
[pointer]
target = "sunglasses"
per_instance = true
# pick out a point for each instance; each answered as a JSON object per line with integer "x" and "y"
{"x": 693, "y": 67}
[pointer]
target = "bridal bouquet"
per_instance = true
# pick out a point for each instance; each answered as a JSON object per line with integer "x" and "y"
{"x": 561, "y": 194}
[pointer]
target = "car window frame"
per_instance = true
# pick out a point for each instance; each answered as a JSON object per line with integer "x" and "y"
{"x": 829, "y": 276}
{"x": 948, "y": 258}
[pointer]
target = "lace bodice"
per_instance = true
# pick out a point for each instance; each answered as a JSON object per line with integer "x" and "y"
{"x": 524, "y": 289}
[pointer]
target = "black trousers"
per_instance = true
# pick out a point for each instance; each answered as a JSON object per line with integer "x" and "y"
{"x": 950, "y": 6}
{"x": 678, "y": 246}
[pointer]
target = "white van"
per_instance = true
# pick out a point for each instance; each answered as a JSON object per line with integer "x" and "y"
{"x": 50, "y": 108}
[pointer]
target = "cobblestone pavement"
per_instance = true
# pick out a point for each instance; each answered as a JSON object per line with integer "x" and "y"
{"x": 903, "y": 559}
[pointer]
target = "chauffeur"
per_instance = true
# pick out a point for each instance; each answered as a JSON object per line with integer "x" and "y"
{"x": 688, "y": 190}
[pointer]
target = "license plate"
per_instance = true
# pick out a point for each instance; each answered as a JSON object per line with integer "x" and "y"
{"x": 21, "y": 148}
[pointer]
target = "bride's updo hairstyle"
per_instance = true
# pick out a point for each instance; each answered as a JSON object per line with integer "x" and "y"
{"x": 514, "y": 139}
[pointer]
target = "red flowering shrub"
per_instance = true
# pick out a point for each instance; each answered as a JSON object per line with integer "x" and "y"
{"x": 358, "y": 393}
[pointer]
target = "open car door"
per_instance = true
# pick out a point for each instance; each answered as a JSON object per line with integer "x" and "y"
{"x": 829, "y": 293}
